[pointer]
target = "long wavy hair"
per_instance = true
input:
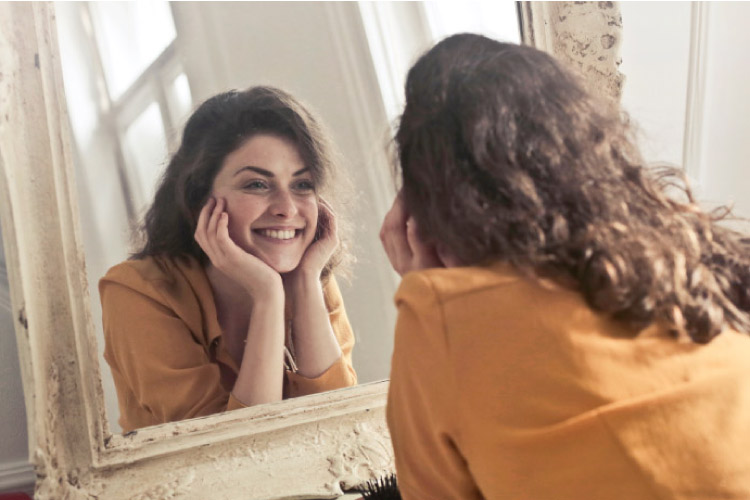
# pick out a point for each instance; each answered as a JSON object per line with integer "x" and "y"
{"x": 505, "y": 156}
{"x": 217, "y": 128}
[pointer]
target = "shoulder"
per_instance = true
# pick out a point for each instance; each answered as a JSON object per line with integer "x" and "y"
{"x": 152, "y": 276}
{"x": 135, "y": 289}
{"x": 465, "y": 295}
{"x": 332, "y": 294}
{"x": 445, "y": 285}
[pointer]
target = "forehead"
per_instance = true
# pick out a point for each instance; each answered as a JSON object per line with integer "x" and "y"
{"x": 270, "y": 152}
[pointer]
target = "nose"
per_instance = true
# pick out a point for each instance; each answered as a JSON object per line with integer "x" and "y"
{"x": 283, "y": 205}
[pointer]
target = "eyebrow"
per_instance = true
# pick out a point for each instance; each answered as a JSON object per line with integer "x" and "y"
{"x": 268, "y": 173}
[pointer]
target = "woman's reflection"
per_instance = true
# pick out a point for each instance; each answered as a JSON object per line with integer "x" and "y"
{"x": 231, "y": 300}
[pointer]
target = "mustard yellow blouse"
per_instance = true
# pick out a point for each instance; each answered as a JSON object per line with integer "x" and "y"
{"x": 507, "y": 388}
{"x": 165, "y": 348}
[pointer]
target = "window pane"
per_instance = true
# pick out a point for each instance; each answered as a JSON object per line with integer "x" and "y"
{"x": 145, "y": 147}
{"x": 180, "y": 100}
{"x": 491, "y": 18}
{"x": 130, "y": 35}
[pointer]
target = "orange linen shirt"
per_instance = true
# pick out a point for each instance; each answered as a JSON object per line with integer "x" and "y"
{"x": 165, "y": 348}
{"x": 507, "y": 388}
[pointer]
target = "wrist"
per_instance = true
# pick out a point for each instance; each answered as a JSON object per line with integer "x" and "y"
{"x": 266, "y": 291}
{"x": 302, "y": 275}
{"x": 301, "y": 287}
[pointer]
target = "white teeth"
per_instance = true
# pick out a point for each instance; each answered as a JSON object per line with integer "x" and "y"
{"x": 286, "y": 234}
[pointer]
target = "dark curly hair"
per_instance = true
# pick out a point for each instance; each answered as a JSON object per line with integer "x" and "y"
{"x": 505, "y": 156}
{"x": 218, "y": 127}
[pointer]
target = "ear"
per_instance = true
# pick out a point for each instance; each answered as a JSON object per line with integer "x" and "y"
{"x": 446, "y": 257}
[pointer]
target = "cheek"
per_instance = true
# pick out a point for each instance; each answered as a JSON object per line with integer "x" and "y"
{"x": 243, "y": 211}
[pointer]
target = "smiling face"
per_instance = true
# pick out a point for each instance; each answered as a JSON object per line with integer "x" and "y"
{"x": 271, "y": 200}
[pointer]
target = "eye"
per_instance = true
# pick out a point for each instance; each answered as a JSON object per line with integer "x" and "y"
{"x": 304, "y": 186}
{"x": 255, "y": 185}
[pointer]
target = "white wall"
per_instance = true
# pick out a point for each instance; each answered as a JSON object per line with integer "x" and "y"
{"x": 724, "y": 174}
{"x": 656, "y": 55}
{"x": 655, "y": 52}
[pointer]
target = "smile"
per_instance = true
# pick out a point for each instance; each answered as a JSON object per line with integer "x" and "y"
{"x": 279, "y": 234}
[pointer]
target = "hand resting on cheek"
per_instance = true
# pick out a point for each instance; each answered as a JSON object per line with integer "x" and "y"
{"x": 406, "y": 251}
{"x": 326, "y": 242}
{"x": 212, "y": 234}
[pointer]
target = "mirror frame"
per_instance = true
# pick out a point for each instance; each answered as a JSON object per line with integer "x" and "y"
{"x": 310, "y": 447}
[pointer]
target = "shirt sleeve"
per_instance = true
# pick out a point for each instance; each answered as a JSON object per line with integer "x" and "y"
{"x": 420, "y": 411}
{"x": 159, "y": 367}
{"x": 341, "y": 373}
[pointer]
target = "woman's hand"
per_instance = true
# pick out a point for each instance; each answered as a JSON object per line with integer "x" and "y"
{"x": 212, "y": 234}
{"x": 402, "y": 244}
{"x": 322, "y": 248}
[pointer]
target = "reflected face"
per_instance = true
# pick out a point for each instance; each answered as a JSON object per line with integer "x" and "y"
{"x": 271, "y": 200}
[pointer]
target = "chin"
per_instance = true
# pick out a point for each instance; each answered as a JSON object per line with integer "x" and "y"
{"x": 283, "y": 267}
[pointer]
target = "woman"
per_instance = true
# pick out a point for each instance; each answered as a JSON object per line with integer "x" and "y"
{"x": 570, "y": 331}
{"x": 231, "y": 301}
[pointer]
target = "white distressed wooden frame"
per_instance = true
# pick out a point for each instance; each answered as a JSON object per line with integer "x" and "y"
{"x": 584, "y": 35}
{"x": 309, "y": 447}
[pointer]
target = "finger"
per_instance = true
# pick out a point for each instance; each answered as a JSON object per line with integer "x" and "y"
{"x": 396, "y": 235}
{"x": 396, "y": 246}
{"x": 383, "y": 227}
{"x": 327, "y": 221}
{"x": 394, "y": 219}
{"x": 224, "y": 243}
{"x": 214, "y": 217}
{"x": 399, "y": 209}
{"x": 200, "y": 227}
{"x": 424, "y": 254}
{"x": 213, "y": 226}
{"x": 234, "y": 257}
{"x": 322, "y": 202}
{"x": 390, "y": 217}
{"x": 385, "y": 239}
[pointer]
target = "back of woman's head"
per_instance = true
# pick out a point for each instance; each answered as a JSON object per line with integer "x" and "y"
{"x": 218, "y": 127}
{"x": 505, "y": 156}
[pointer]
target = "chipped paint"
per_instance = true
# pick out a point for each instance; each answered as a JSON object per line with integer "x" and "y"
{"x": 585, "y": 35}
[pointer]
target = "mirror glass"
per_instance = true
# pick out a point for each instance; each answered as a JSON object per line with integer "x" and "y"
{"x": 134, "y": 71}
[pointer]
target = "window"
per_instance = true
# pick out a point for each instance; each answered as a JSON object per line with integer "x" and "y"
{"x": 398, "y": 32}
{"x": 125, "y": 54}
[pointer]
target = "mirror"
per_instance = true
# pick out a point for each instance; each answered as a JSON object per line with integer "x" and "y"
{"x": 311, "y": 447}
{"x": 126, "y": 124}
{"x": 128, "y": 105}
